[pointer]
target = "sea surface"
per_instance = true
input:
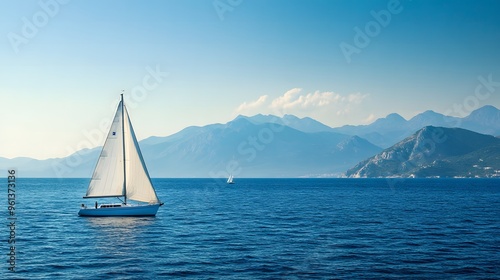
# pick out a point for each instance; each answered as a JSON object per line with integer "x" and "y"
{"x": 262, "y": 229}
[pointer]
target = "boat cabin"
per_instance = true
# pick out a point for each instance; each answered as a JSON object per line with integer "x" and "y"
{"x": 110, "y": 205}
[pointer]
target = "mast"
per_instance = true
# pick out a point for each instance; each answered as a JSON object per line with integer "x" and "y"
{"x": 123, "y": 146}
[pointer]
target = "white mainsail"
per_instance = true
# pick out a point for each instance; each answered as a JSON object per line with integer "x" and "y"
{"x": 110, "y": 175}
{"x": 107, "y": 179}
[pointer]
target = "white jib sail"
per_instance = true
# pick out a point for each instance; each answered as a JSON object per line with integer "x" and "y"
{"x": 108, "y": 176}
{"x": 139, "y": 186}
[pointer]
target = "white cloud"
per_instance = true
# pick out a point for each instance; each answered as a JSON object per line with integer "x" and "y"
{"x": 369, "y": 119}
{"x": 295, "y": 102}
{"x": 349, "y": 101}
{"x": 292, "y": 100}
{"x": 246, "y": 107}
{"x": 286, "y": 99}
{"x": 356, "y": 98}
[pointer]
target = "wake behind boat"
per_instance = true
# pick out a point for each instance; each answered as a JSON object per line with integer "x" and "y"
{"x": 121, "y": 173}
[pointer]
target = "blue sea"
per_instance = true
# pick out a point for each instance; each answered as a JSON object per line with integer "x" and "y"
{"x": 262, "y": 229}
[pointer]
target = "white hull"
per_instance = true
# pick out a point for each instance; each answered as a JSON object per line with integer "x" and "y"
{"x": 123, "y": 211}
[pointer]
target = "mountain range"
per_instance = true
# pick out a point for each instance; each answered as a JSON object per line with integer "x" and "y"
{"x": 435, "y": 152}
{"x": 264, "y": 146}
{"x": 387, "y": 131}
{"x": 249, "y": 149}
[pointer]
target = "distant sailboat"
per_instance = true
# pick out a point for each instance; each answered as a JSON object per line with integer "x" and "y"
{"x": 230, "y": 179}
{"x": 121, "y": 172}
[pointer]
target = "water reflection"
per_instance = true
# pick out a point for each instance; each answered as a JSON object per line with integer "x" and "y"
{"x": 119, "y": 236}
{"x": 123, "y": 224}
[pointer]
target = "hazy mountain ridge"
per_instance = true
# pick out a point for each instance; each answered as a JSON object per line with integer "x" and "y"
{"x": 262, "y": 146}
{"x": 435, "y": 152}
{"x": 385, "y": 132}
{"x": 251, "y": 149}
{"x": 78, "y": 165}
{"x": 305, "y": 124}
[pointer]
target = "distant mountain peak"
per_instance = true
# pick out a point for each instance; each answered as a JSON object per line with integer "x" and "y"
{"x": 429, "y": 114}
{"x": 259, "y": 118}
{"x": 392, "y": 122}
{"x": 305, "y": 124}
{"x": 487, "y": 110}
{"x": 487, "y": 107}
{"x": 395, "y": 117}
{"x": 238, "y": 121}
{"x": 428, "y": 129}
{"x": 485, "y": 119}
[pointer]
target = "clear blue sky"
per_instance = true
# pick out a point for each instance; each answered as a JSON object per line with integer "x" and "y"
{"x": 229, "y": 57}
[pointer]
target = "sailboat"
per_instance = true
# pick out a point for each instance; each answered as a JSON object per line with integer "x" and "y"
{"x": 230, "y": 179}
{"x": 121, "y": 173}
